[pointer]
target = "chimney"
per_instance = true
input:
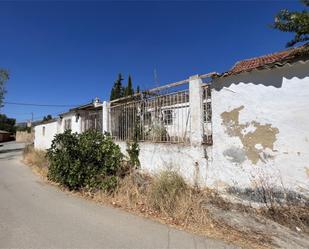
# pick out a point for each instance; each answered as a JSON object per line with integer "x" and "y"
{"x": 96, "y": 102}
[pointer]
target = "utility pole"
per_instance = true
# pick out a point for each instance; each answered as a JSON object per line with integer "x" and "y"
{"x": 29, "y": 123}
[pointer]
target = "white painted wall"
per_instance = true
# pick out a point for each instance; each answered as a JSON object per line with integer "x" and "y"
{"x": 187, "y": 160}
{"x": 75, "y": 123}
{"x": 190, "y": 160}
{"x": 278, "y": 98}
{"x": 43, "y": 142}
{"x": 269, "y": 142}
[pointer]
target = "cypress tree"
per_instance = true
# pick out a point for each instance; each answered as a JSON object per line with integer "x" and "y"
{"x": 112, "y": 96}
{"x": 117, "y": 90}
{"x": 129, "y": 89}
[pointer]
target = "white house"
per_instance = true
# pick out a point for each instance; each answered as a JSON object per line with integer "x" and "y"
{"x": 78, "y": 120}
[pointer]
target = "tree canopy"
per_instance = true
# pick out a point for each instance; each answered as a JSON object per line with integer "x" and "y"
{"x": 7, "y": 124}
{"x": 295, "y": 22}
{"x": 137, "y": 89}
{"x": 119, "y": 91}
{"x": 47, "y": 118}
{"x": 4, "y": 76}
{"x": 129, "y": 88}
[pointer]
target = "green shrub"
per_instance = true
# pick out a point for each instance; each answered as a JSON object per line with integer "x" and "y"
{"x": 166, "y": 190}
{"x": 89, "y": 160}
{"x": 133, "y": 152}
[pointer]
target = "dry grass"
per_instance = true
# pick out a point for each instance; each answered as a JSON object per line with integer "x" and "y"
{"x": 292, "y": 216}
{"x": 165, "y": 198}
{"x": 166, "y": 192}
{"x": 168, "y": 199}
{"x": 36, "y": 159}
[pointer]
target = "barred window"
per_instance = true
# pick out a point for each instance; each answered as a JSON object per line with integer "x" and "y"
{"x": 168, "y": 117}
{"x": 207, "y": 112}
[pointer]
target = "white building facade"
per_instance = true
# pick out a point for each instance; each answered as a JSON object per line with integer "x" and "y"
{"x": 77, "y": 120}
{"x": 249, "y": 128}
{"x": 45, "y": 133}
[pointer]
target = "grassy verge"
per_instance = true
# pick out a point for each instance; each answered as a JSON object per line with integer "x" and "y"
{"x": 36, "y": 159}
{"x": 168, "y": 199}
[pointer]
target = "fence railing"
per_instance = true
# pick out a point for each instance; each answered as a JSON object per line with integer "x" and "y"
{"x": 207, "y": 115}
{"x": 153, "y": 117}
{"x": 159, "y": 116}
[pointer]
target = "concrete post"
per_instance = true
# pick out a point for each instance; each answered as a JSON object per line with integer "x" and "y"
{"x": 196, "y": 110}
{"x": 105, "y": 117}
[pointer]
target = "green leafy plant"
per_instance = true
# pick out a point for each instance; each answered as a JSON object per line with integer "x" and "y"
{"x": 89, "y": 160}
{"x": 294, "y": 22}
{"x": 133, "y": 152}
{"x": 158, "y": 132}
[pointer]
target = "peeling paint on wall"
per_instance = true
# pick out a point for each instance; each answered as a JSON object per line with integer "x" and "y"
{"x": 255, "y": 142}
{"x": 307, "y": 171}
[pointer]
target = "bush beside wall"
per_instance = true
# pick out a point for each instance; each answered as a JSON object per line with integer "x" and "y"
{"x": 89, "y": 160}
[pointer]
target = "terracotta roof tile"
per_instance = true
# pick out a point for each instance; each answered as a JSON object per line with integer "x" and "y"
{"x": 270, "y": 59}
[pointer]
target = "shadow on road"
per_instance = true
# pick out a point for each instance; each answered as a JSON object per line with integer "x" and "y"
{"x": 10, "y": 150}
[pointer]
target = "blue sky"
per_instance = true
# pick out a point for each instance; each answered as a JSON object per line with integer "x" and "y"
{"x": 70, "y": 52}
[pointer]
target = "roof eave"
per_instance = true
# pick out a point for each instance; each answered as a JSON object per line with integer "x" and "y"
{"x": 277, "y": 64}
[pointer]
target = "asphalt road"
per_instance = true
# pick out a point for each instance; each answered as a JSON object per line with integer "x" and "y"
{"x": 36, "y": 215}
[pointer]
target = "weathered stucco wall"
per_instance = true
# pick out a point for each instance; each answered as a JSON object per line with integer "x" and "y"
{"x": 187, "y": 160}
{"x": 261, "y": 128}
{"x": 43, "y": 140}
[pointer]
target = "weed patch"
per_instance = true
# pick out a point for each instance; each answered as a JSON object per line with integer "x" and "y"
{"x": 166, "y": 191}
{"x": 35, "y": 157}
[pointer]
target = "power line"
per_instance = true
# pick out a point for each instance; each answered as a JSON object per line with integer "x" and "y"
{"x": 39, "y": 117}
{"x": 16, "y": 113}
{"x": 31, "y": 104}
